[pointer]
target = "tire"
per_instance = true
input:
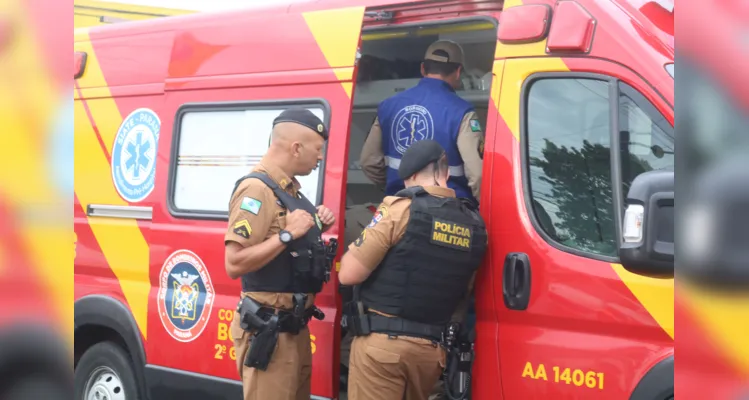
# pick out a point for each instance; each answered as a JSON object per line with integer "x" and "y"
{"x": 106, "y": 367}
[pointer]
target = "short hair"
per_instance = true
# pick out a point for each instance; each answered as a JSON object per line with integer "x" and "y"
{"x": 440, "y": 166}
{"x": 441, "y": 68}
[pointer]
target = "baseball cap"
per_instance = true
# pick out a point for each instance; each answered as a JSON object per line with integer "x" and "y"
{"x": 445, "y": 51}
{"x": 304, "y": 117}
{"x": 418, "y": 156}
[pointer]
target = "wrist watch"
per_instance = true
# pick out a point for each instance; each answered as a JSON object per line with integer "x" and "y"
{"x": 285, "y": 236}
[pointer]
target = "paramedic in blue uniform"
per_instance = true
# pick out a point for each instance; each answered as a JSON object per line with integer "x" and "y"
{"x": 429, "y": 110}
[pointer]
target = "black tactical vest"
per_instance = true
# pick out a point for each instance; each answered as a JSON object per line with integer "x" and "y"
{"x": 426, "y": 274}
{"x": 301, "y": 267}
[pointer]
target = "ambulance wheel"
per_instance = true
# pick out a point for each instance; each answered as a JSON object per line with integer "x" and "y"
{"x": 105, "y": 373}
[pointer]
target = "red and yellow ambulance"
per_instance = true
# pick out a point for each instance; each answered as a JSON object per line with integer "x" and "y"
{"x": 576, "y": 99}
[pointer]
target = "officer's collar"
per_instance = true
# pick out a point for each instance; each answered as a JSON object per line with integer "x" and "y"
{"x": 280, "y": 177}
{"x": 436, "y": 82}
{"x": 440, "y": 191}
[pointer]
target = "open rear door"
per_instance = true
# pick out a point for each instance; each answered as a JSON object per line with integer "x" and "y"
{"x": 229, "y": 76}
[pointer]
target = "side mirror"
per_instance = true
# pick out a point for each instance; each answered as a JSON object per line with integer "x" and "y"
{"x": 647, "y": 241}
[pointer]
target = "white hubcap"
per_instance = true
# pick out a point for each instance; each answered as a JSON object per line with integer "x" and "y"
{"x": 104, "y": 384}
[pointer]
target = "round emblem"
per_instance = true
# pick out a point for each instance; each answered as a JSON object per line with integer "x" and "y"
{"x": 411, "y": 124}
{"x": 185, "y": 295}
{"x": 319, "y": 128}
{"x": 134, "y": 155}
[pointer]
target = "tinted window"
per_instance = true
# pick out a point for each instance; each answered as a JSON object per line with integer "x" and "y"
{"x": 568, "y": 139}
{"x": 647, "y": 137}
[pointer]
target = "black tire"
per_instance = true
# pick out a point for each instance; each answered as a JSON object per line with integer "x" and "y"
{"x": 112, "y": 356}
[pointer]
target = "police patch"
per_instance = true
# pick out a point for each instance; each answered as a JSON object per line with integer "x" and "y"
{"x": 381, "y": 212}
{"x": 450, "y": 234}
{"x": 360, "y": 240}
{"x": 251, "y": 205}
{"x": 186, "y": 296}
{"x": 475, "y": 125}
{"x": 243, "y": 229}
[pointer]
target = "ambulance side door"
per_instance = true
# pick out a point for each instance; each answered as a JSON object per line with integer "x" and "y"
{"x": 572, "y": 322}
{"x": 227, "y": 83}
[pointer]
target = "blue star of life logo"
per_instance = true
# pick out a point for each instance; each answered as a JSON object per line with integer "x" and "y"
{"x": 411, "y": 124}
{"x": 134, "y": 155}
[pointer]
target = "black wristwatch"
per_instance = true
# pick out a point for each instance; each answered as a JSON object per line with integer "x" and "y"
{"x": 285, "y": 236}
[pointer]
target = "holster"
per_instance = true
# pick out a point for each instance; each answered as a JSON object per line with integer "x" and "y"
{"x": 262, "y": 345}
{"x": 356, "y": 319}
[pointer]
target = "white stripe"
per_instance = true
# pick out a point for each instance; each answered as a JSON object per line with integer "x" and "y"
{"x": 395, "y": 163}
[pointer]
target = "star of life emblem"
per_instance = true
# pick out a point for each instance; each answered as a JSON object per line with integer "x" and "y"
{"x": 411, "y": 124}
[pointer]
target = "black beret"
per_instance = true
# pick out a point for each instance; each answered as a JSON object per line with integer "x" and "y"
{"x": 304, "y": 117}
{"x": 418, "y": 156}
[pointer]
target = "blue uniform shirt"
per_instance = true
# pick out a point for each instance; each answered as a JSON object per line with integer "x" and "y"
{"x": 429, "y": 110}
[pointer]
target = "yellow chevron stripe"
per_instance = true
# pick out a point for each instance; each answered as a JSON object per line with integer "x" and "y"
{"x": 28, "y": 102}
{"x": 337, "y": 33}
{"x": 725, "y": 317}
{"x": 656, "y": 295}
{"x": 121, "y": 240}
{"x": 516, "y": 71}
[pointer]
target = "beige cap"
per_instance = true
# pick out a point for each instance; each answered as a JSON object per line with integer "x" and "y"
{"x": 445, "y": 51}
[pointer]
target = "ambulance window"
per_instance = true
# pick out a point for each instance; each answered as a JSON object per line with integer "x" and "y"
{"x": 569, "y": 162}
{"x": 648, "y": 135}
{"x": 215, "y": 146}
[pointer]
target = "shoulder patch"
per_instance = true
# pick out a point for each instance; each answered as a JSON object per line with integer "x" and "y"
{"x": 251, "y": 205}
{"x": 243, "y": 229}
{"x": 475, "y": 125}
{"x": 449, "y": 234}
{"x": 382, "y": 212}
{"x": 360, "y": 240}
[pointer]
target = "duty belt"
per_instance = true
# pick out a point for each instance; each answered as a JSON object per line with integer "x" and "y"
{"x": 399, "y": 326}
{"x": 287, "y": 322}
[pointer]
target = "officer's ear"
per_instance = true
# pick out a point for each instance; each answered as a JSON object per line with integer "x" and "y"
{"x": 296, "y": 149}
{"x": 423, "y": 71}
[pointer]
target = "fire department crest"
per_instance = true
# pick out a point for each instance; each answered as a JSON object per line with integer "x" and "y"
{"x": 185, "y": 295}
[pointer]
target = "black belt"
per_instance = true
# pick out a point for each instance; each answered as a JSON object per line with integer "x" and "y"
{"x": 399, "y": 326}
{"x": 287, "y": 321}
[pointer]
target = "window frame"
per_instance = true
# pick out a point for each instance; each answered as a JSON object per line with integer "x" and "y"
{"x": 251, "y": 105}
{"x": 615, "y": 173}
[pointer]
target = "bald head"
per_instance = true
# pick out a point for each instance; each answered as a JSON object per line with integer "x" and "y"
{"x": 296, "y": 147}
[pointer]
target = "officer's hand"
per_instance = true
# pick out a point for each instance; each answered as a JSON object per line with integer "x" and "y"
{"x": 298, "y": 222}
{"x": 326, "y": 216}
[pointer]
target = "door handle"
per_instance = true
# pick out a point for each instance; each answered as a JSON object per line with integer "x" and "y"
{"x": 516, "y": 281}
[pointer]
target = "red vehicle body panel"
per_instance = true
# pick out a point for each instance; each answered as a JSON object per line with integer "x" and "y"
{"x": 584, "y": 314}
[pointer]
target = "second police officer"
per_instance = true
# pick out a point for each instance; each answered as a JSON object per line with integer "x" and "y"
{"x": 415, "y": 263}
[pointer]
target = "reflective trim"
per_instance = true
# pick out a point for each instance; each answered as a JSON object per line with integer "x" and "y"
{"x": 395, "y": 163}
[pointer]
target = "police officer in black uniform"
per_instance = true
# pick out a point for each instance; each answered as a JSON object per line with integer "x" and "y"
{"x": 274, "y": 243}
{"x": 415, "y": 262}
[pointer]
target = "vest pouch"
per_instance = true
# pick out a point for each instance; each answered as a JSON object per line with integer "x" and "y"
{"x": 320, "y": 262}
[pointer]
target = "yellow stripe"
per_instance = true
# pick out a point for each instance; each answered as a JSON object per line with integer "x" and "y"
{"x": 516, "y": 71}
{"x": 337, "y": 33}
{"x": 725, "y": 318}
{"x": 656, "y": 295}
{"x": 121, "y": 241}
{"x": 28, "y": 102}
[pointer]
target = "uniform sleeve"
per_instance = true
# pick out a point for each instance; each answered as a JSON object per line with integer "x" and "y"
{"x": 471, "y": 148}
{"x": 250, "y": 214}
{"x": 376, "y": 239}
{"x": 372, "y": 159}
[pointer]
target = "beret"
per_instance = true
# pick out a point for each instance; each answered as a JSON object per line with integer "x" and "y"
{"x": 304, "y": 117}
{"x": 419, "y": 155}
